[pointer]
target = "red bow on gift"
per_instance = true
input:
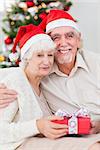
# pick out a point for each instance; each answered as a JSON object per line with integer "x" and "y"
{"x": 78, "y": 122}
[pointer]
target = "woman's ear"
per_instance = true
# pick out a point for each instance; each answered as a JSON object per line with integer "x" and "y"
{"x": 26, "y": 62}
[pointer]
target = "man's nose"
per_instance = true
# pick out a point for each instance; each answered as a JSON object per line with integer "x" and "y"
{"x": 63, "y": 41}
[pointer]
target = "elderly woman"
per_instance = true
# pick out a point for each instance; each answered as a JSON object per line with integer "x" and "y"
{"x": 23, "y": 118}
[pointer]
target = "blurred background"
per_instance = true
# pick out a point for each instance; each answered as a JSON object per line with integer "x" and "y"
{"x": 14, "y": 13}
{"x": 87, "y": 13}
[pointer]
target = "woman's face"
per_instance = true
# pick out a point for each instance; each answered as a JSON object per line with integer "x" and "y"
{"x": 41, "y": 63}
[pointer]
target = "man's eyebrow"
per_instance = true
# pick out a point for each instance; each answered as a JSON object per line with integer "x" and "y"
{"x": 55, "y": 34}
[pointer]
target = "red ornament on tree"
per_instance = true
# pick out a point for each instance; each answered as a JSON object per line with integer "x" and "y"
{"x": 8, "y": 40}
{"x": 30, "y": 3}
{"x": 66, "y": 8}
{"x": 42, "y": 15}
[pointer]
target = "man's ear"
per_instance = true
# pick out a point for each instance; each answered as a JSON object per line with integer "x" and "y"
{"x": 80, "y": 41}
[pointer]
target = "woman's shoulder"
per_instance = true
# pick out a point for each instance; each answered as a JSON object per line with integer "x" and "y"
{"x": 7, "y": 72}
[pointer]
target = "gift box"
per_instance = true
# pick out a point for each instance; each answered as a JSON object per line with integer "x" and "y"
{"x": 78, "y": 123}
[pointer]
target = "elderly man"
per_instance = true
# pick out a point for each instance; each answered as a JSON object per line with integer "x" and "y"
{"x": 76, "y": 72}
{"x": 73, "y": 82}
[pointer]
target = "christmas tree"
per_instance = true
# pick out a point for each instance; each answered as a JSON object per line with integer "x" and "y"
{"x": 24, "y": 12}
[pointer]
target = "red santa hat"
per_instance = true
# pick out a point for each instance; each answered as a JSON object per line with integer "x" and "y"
{"x": 26, "y": 37}
{"x": 58, "y": 18}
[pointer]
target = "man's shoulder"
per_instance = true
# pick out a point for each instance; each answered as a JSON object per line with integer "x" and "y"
{"x": 90, "y": 55}
{"x": 91, "y": 59}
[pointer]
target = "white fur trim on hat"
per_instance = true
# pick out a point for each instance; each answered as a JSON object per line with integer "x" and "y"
{"x": 61, "y": 22}
{"x": 34, "y": 39}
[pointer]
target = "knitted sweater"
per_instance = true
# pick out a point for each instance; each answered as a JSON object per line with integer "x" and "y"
{"x": 18, "y": 120}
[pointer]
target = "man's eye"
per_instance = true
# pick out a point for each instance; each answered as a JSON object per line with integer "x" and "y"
{"x": 70, "y": 35}
{"x": 55, "y": 38}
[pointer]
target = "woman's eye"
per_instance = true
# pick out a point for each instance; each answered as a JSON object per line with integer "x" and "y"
{"x": 50, "y": 54}
{"x": 39, "y": 55}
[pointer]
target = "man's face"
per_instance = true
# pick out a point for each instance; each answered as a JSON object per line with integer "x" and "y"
{"x": 67, "y": 41}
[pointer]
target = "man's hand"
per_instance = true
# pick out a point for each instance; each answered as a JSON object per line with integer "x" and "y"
{"x": 95, "y": 127}
{"x": 50, "y": 129}
{"x": 6, "y": 96}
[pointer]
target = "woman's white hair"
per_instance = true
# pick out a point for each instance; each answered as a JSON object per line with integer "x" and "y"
{"x": 41, "y": 45}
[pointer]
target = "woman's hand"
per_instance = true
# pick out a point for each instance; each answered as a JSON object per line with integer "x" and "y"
{"x": 50, "y": 129}
{"x": 6, "y": 96}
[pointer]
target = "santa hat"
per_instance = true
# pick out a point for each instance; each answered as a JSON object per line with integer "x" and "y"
{"x": 26, "y": 37}
{"x": 58, "y": 18}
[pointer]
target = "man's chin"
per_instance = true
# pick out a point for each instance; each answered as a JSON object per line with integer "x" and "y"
{"x": 65, "y": 60}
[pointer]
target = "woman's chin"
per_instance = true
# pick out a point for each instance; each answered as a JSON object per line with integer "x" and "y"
{"x": 45, "y": 73}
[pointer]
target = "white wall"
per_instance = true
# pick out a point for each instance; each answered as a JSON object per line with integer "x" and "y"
{"x": 87, "y": 13}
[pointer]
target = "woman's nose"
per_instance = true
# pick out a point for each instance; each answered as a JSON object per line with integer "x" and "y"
{"x": 46, "y": 60}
